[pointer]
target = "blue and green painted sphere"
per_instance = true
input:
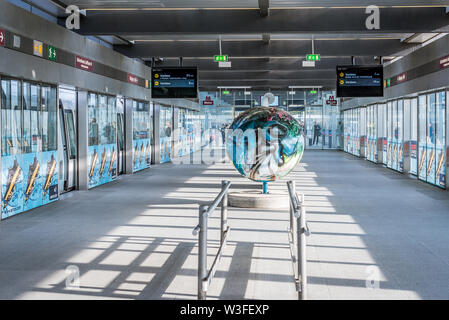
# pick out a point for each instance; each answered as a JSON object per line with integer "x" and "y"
{"x": 265, "y": 144}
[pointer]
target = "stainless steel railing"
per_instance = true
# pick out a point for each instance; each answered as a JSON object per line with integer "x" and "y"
{"x": 298, "y": 232}
{"x": 205, "y": 277}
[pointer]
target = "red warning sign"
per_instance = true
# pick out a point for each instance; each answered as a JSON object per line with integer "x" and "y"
{"x": 2, "y": 38}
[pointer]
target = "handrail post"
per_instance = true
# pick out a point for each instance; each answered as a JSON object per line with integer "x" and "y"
{"x": 202, "y": 252}
{"x": 292, "y": 219}
{"x": 224, "y": 212}
{"x": 302, "y": 258}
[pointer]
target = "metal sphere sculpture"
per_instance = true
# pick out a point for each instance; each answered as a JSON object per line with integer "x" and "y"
{"x": 265, "y": 144}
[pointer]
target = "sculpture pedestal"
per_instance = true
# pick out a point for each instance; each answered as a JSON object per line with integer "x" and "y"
{"x": 259, "y": 200}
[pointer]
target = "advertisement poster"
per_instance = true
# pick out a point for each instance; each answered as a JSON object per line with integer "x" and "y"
{"x": 165, "y": 149}
{"x": 422, "y": 167}
{"x": 400, "y": 166}
{"x": 102, "y": 164}
{"x": 141, "y": 154}
{"x": 440, "y": 168}
{"x": 431, "y": 170}
{"x": 389, "y": 153}
{"x": 413, "y": 156}
{"x": 32, "y": 181}
{"x": 12, "y": 185}
{"x": 49, "y": 176}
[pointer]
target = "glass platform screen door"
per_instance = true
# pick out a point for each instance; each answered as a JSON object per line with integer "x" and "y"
{"x": 314, "y": 128}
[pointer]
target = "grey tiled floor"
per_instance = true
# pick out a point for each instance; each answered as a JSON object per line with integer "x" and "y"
{"x": 132, "y": 239}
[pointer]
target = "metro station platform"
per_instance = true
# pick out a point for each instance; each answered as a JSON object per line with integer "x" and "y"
{"x": 132, "y": 238}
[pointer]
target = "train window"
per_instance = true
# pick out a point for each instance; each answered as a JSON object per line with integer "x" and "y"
{"x": 440, "y": 139}
{"x": 111, "y": 121}
{"x": 93, "y": 119}
{"x": 49, "y": 119}
{"x": 31, "y": 118}
{"x": 71, "y": 131}
{"x": 11, "y": 117}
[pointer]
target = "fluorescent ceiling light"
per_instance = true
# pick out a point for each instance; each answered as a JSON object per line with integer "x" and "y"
{"x": 233, "y": 87}
{"x": 305, "y": 87}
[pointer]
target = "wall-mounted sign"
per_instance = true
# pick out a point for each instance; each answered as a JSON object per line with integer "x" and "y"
{"x": 360, "y": 81}
{"x": 16, "y": 41}
{"x": 51, "y": 53}
{"x": 219, "y": 58}
{"x": 332, "y": 101}
{"x": 313, "y": 57}
{"x": 84, "y": 63}
{"x": 226, "y": 64}
{"x": 133, "y": 79}
{"x": 2, "y": 38}
{"x": 444, "y": 62}
{"x": 225, "y": 92}
{"x": 38, "y": 48}
{"x": 174, "y": 82}
{"x": 147, "y": 84}
{"x": 401, "y": 78}
{"x": 308, "y": 64}
{"x": 208, "y": 101}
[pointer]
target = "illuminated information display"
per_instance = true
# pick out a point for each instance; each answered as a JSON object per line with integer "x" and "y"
{"x": 174, "y": 82}
{"x": 360, "y": 81}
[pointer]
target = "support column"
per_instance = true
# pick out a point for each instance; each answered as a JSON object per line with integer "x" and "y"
{"x": 83, "y": 141}
{"x": 447, "y": 140}
{"x": 157, "y": 137}
{"x": 176, "y": 145}
{"x": 129, "y": 136}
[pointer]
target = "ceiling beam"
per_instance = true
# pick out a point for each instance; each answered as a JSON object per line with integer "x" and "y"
{"x": 265, "y": 75}
{"x": 264, "y": 84}
{"x": 342, "y": 20}
{"x": 262, "y": 64}
{"x": 266, "y": 38}
{"x": 278, "y": 48}
{"x": 264, "y": 6}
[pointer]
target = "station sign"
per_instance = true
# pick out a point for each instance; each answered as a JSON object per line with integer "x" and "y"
{"x": 221, "y": 58}
{"x": 332, "y": 101}
{"x": 313, "y": 57}
{"x": 133, "y": 79}
{"x": 208, "y": 101}
{"x": 38, "y": 48}
{"x": 51, "y": 53}
{"x": 308, "y": 64}
{"x": 444, "y": 62}
{"x": 225, "y": 64}
{"x": 401, "y": 78}
{"x": 84, "y": 63}
{"x": 16, "y": 41}
{"x": 2, "y": 38}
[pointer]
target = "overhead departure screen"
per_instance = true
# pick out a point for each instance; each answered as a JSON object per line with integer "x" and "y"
{"x": 360, "y": 81}
{"x": 174, "y": 82}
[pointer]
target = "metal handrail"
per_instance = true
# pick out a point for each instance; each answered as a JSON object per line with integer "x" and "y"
{"x": 297, "y": 239}
{"x": 205, "y": 277}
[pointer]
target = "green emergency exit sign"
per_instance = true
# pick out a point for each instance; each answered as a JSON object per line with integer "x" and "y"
{"x": 225, "y": 92}
{"x": 313, "y": 57}
{"x": 221, "y": 58}
{"x": 313, "y": 91}
{"x": 52, "y": 53}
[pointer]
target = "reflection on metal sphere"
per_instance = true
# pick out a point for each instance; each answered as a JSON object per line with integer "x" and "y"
{"x": 265, "y": 144}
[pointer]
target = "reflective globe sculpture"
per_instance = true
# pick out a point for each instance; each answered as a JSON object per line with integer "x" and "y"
{"x": 265, "y": 144}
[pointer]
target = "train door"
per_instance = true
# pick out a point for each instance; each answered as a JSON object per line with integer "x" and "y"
{"x": 67, "y": 140}
{"x": 120, "y": 135}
